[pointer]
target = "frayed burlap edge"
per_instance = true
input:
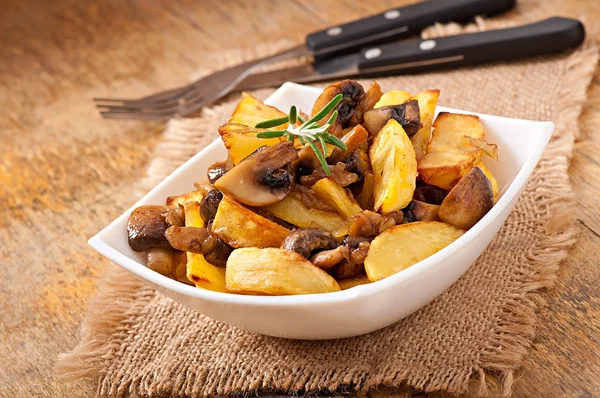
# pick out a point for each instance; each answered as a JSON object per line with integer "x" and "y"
{"x": 121, "y": 295}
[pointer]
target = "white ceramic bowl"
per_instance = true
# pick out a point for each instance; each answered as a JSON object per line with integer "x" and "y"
{"x": 364, "y": 308}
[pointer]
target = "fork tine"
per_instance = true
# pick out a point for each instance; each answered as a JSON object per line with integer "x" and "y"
{"x": 137, "y": 115}
{"x": 160, "y": 98}
{"x": 191, "y": 98}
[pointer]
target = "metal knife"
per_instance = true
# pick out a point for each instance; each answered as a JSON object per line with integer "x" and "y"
{"x": 411, "y": 56}
{"x": 337, "y": 40}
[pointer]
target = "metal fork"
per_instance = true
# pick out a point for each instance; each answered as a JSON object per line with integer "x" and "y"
{"x": 186, "y": 99}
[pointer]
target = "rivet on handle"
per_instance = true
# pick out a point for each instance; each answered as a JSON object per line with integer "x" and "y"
{"x": 372, "y": 53}
{"x": 427, "y": 45}
{"x": 391, "y": 14}
{"x": 334, "y": 31}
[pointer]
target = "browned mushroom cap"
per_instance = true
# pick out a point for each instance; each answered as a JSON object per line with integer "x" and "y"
{"x": 353, "y": 139}
{"x": 174, "y": 215}
{"x": 307, "y": 241}
{"x": 339, "y": 174}
{"x": 216, "y": 171}
{"x": 365, "y": 224}
{"x": 160, "y": 260}
{"x": 348, "y": 108}
{"x": 354, "y": 266}
{"x": 259, "y": 180}
{"x": 191, "y": 239}
{"x": 220, "y": 253}
{"x": 146, "y": 228}
{"x": 309, "y": 198}
{"x": 209, "y": 204}
{"x": 406, "y": 114}
{"x": 430, "y": 194}
{"x": 327, "y": 259}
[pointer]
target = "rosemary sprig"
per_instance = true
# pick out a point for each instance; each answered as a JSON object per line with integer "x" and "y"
{"x": 309, "y": 132}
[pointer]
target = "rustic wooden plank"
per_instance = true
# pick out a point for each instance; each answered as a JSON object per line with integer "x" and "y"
{"x": 564, "y": 360}
{"x": 59, "y": 157}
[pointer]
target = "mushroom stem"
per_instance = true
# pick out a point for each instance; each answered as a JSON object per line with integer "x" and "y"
{"x": 327, "y": 259}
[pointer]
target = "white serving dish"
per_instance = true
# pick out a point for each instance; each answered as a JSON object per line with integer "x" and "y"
{"x": 364, "y": 308}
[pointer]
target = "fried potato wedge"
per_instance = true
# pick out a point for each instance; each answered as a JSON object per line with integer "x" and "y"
{"x": 337, "y": 197}
{"x": 394, "y": 168}
{"x": 241, "y": 227}
{"x": 352, "y": 282}
{"x": 393, "y": 97}
{"x": 445, "y": 163}
{"x": 468, "y": 201}
{"x": 241, "y": 141}
{"x": 275, "y": 272}
{"x": 202, "y": 273}
{"x": 427, "y": 102}
{"x": 237, "y": 134}
{"x": 294, "y": 212}
{"x": 192, "y": 196}
{"x": 402, "y": 246}
{"x": 365, "y": 197}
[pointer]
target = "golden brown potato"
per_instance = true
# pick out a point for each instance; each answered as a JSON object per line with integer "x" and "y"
{"x": 394, "y": 168}
{"x": 275, "y": 272}
{"x": 238, "y": 134}
{"x": 350, "y": 283}
{"x": 365, "y": 197}
{"x": 468, "y": 201}
{"x": 202, "y": 273}
{"x": 192, "y": 196}
{"x": 293, "y": 211}
{"x": 337, "y": 197}
{"x": 427, "y": 102}
{"x": 393, "y": 97}
{"x": 445, "y": 163}
{"x": 402, "y": 246}
{"x": 241, "y": 227}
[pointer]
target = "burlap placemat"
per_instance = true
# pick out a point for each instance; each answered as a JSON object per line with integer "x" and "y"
{"x": 138, "y": 342}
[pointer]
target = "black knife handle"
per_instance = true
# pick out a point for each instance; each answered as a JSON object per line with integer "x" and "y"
{"x": 545, "y": 37}
{"x": 399, "y": 22}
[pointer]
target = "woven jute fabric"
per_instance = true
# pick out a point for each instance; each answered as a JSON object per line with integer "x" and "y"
{"x": 136, "y": 341}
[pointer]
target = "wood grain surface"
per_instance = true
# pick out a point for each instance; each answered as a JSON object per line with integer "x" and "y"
{"x": 59, "y": 158}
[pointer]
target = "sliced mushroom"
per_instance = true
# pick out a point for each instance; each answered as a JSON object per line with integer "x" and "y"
{"x": 365, "y": 224}
{"x": 406, "y": 114}
{"x": 354, "y": 266}
{"x": 353, "y": 139}
{"x": 191, "y": 239}
{"x": 259, "y": 180}
{"x": 307, "y": 241}
{"x": 391, "y": 219}
{"x": 210, "y": 204}
{"x": 349, "y": 112}
{"x": 338, "y": 173}
{"x": 309, "y": 198}
{"x": 219, "y": 255}
{"x": 160, "y": 260}
{"x": 175, "y": 216}
{"x": 146, "y": 228}
{"x": 327, "y": 259}
{"x": 430, "y": 194}
{"x": 216, "y": 171}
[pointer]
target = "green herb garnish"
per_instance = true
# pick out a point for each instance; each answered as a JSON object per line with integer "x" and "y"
{"x": 309, "y": 132}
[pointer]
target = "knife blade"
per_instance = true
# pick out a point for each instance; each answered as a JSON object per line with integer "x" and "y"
{"x": 411, "y": 56}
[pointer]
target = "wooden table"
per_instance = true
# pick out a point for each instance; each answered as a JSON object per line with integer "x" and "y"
{"x": 59, "y": 157}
